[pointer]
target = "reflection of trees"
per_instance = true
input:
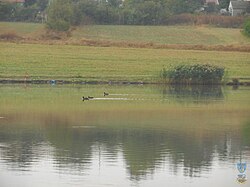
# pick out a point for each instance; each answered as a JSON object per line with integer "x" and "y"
{"x": 72, "y": 148}
{"x": 192, "y": 153}
{"x": 198, "y": 93}
{"x": 246, "y": 134}
{"x": 144, "y": 150}
{"x": 20, "y": 147}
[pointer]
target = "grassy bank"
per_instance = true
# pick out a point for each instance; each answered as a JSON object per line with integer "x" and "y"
{"x": 191, "y": 35}
{"x": 170, "y": 35}
{"x": 67, "y": 62}
{"x": 129, "y": 54}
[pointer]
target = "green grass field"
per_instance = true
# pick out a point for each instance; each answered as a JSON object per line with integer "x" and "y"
{"x": 83, "y": 63}
{"x": 189, "y": 35}
{"x": 68, "y": 62}
{"x": 197, "y": 35}
{"x": 22, "y": 29}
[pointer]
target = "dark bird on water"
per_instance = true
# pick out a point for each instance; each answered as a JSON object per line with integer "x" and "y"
{"x": 84, "y": 98}
{"x": 105, "y": 93}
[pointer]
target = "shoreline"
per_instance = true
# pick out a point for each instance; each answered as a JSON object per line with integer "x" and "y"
{"x": 61, "y": 82}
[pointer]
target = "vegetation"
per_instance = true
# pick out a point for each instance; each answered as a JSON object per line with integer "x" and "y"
{"x": 59, "y": 15}
{"x": 194, "y": 74}
{"x": 30, "y": 11}
{"x": 191, "y": 35}
{"x": 129, "y": 12}
{"x": 208, "y": 19}
{"x": 130, "y": 64}
{"x": 150, "y": 35}
{"x": 78, "y": 63}
{"x": 247, "y": 27}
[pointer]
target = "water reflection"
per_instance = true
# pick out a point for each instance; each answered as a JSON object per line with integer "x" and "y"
{"x": 196, "y": 93}
{"x": 246, "y": 134}
{"x": 79, "y": 139}
{"x": 143, "y": 150}
{"x": 20, "y": 148}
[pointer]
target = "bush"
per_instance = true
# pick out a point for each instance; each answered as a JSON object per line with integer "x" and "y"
{"x": 194, "y": 74}
{"x": 247, "y": 27}
{"x": 60, "y": 13}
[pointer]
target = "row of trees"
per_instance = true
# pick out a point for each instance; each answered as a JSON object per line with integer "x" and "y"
{"x": 63, "y": 13}
{"x": 29, "y": 11}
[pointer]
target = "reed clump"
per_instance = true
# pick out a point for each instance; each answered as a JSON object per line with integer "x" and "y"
{"x": 204, "y": 74}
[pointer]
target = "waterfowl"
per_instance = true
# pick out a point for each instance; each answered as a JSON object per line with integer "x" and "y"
{"x": 89, "y": 97}
{"x": 84, "y": 98}
{"x": 105, "y": 93}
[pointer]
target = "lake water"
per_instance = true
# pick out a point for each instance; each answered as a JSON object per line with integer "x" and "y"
{"x": 136, "y": 136}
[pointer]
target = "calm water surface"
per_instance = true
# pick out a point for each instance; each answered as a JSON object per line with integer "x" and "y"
{"x": 135, "y": 136}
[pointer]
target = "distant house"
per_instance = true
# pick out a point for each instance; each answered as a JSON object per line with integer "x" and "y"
{"x": 212, "y": 2}
{"x": 237, "y": 8}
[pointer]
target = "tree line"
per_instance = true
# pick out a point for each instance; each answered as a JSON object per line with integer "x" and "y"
{"x": 29, "y": 11}
{"x": 63, "y": 13}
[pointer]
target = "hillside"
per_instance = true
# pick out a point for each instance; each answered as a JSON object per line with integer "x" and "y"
{"x": 187, "y": 35}
{"x": 129, "y": 54}
{"x": 194, "y": 35}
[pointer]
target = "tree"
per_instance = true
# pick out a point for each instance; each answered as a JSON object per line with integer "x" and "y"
{"x": 181, "y": 6}
{"x": 246, "y": 27}
{"x": 224, "y": 3}
{"x": 248, "y": 8}
{"x": 29, "y": 2}
{"x": 60, "y": 14}
{"x": 42, "y": 4}
{"x": 6, "y": 11}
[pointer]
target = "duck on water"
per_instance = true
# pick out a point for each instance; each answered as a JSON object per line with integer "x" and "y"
{"x": 90, "y": 97}
{"x": 85, "y": 98}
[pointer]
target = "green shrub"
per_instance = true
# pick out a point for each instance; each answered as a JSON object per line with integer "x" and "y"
{"x": 59, "y": 15}
{"x": 247, "y": 27}
{"x": 194, "y": 74}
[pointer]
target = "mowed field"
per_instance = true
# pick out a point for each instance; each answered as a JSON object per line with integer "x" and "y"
{"x": 68, "y": 62}
{"x": 22, "y": 29}
{"x": 39, "y": 60}
{"x": 192, "y": 35}
{"x": 188, "y": 35}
